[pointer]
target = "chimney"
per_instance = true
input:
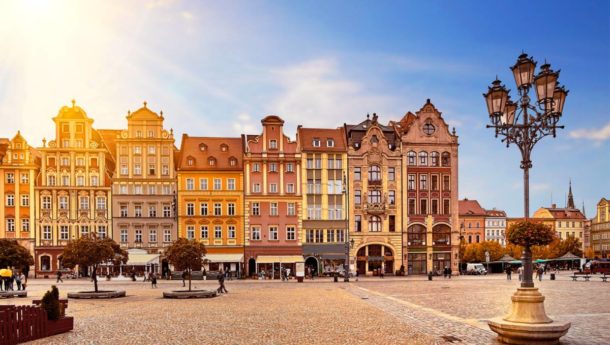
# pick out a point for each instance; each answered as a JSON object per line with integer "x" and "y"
{"x": 554, "y": 206}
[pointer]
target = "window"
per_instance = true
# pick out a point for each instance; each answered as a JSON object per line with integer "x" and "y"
{"x": 290, "y": 188}
{"x": 217, "y": 209}
{"x": 124, "y": 170}
{"x": 25, "y": 224}
{"x": 10, "y": 224}
{"x": 445, "y": 159}
{"x": 423, "y": 158}
{"x": 423, "y": 206}
{"x": 203, "y": 208}
{"x": 217, "y": 231}
{"x": 138, "y": 211}
{"x": 330, "y": 143}
{"x": 291, "y": 209}
{"x": 273, "y": 188}
{"x": 123, "y": 211}
{"x": 10, "y": 178}
{"x": 80, "y": 161}
{"x": 231, "y": 231}
{"x": 256, "y": 211}
{"x": 84, "y": 202}
{"x": 167, "y": 235}
{"x": 152, "y": 211}
{"x": 273, "y": 144}
{"x": 203, "y": 231}
{"x": 231, "y": 184}
{"x": 190, "y": 161}
{"x": 423, "y": 182}
{"x": 94, "y": 181}
{"x": 256, "y": 188}
{"x": 289, "y": 167}
{"x": 358, "y": 223}
{"x": 446, "y": 206}
{"x": 152, "y": 235}
{"x": 412, "y": 158}
{"x": 357, "y": 197}
{"x": 100, "y": 203}
{"x": 273, "y": 209}
{"x": 434, "y": 206}
{"x": 231, "y": 209}
{"x": 46, "y": 232}
{"x": 80, "y": 180}
{"x": 315, "y": 142}
{"x": 273, "y": 235}
{"x": 272, "y": 167}
{"x": 391, "y": 174}
{"x": 167, "y": 211}
{"x": 63, "y": 232}
{"x": 137, "y": 169}
{"x": 357, "y": 174}
{"x": 217, "y": 184}
{"x": 151, "y": 134}
{"x": 434, "y": 179}
{"x": 411, "y": 206}
{"x": 203, "y": 183}
{"x": 374, "y": 173}
{"x": 151, "y": 149}
{"x": 256, "y": 167}
{"x": 165, "y": 170}
{"x": 151, "y": 169}
{"x": 46, "y": 202}
{"x": 434, "y": 159}
{"x": 446, "y": 186}
{"x": 25, "y": 200}
{"x": 190, "y": 184}
{"x": 232, "y": 161}
{"x": 101, "y": 231}
{"x": 411, "y": 182}
{"x": 84, "y": 230}
{"x": 10, "y": 200}
{"x": 392, "y": 197}
{"x": 152, "y": 189}
{"x": 65, "y": 180}
{"x": 330, "y": 235}
{"x": 25, "y": 178}
{"x": 309, "y": 236}
{"x": 374, "y": 224}
{"x": 137, "y": 150}
{"x": 123, "y": 189}
{"x": 392, "y": 223}
{"x": 256, "y": 232}
{"x": 51, "y": 180}
{"x": 319, "y": 236}
{"x": 374, "y": 196}
{"x": 190, "y": 232}
{"x": 340, "y": 235}
{"x": 190, "y": 209}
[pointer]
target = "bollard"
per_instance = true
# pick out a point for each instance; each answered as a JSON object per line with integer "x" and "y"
{"x": 336, "y": 277}
{"x": 430, "y": 275}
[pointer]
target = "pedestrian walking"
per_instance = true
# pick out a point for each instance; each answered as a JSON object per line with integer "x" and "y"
{"x": 445, "y": 272}
{"x": 18, "y": 281}
{"x": 520, "y": 271}
{"x": 184, "y": 277}
{"x": 153, "y": 281}
{"x": 508, "y": 273}
{"x": 221, "y": 283}
{"x": 357, "y": 274}
{"x": 540, "y": 273}
{"x": 449, "y": 272}
{"x": 59, "y": 277}
{"x": 23, "y": 280}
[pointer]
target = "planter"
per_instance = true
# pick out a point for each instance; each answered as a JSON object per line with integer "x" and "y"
{"x": 97, "y": 295}
{"x": 189, "y": 294}
{"x": 9, "y": 294}
{"x": 62, "y": 325}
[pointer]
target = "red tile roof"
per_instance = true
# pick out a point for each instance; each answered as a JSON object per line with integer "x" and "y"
{"x": 471, "y": 208}
{"x": 306, "y": 136}
{"x": 566, "y": 213}
{"x": 495, "y": 213}
{"x": 202, "y": 149}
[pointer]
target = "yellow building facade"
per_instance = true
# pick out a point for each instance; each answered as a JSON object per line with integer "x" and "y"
{"x": 210, "y": 199}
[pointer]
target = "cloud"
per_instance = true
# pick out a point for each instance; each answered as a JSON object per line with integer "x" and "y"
{"x": 595, "y": 134}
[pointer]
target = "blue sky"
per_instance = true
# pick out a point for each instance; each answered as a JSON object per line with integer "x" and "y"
{"x": 216, "y": 68}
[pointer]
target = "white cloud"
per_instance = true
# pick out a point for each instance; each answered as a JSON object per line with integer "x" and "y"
{"x": 595, "y": 134}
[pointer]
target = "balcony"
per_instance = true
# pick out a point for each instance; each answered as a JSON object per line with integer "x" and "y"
{"x": 374, "y": 182}
{"x": 375, "y": 208}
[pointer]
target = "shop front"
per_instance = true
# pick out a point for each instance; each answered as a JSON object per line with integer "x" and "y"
{"x": 324, "y": 259}
{"x": 271, "y": 266}
{"x": 228, "y": 263}
{"x": 373, "y": 259}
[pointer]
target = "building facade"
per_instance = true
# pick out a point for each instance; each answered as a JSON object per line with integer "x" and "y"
{"x": 324, "y": 201}
{"x": 375, "y": 168}
{"x": 144, "y": 184}
{"x": 73, "y": 188}
{"x": 495, "y": 226}
{"x": 273, "y": 210}
{"x": 600, "y": 230}
{"x": 429, "y": 192}
{"x": 211, "y": 204}
{"x": 19, "y": 164}
{"x": 472, "y": 221}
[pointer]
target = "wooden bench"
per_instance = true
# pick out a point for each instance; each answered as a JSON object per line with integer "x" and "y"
{"x": 575, "y": 277}
{"x": 604, "y": 278}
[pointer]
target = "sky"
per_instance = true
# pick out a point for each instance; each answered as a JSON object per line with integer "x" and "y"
{"x": 216, "y": 68}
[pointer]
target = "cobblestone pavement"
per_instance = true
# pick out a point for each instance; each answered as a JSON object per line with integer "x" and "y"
{"x": 373, "y": 310}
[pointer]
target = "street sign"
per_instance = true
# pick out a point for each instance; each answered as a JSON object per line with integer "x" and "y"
{"x": 487, "y": 257}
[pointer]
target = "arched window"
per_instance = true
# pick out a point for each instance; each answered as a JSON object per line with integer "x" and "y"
{"x": 374, "y": 173}
{"x": 224, "y": 147}
{"x": 434, "y": 159}
{"x": 412, "y": 158}
{"x": 446, "y": 159}
{"x": 423, "y": 158}
{"x": 374, "y": 196}
{"x": 202, "y": 147}
{"x": 232, "y": 161}
{"x": 416, "y": 235}
{"x": 374, "y": 224}
{"x": 441, "y": 235}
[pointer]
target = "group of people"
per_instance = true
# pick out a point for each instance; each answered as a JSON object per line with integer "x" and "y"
{"x": 539, "y": 271}
{"x": 447, "y": 272}
{"x": 16, "y": 278}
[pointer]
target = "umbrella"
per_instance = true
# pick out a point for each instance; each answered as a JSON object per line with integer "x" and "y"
{"x": 5, "y": 272}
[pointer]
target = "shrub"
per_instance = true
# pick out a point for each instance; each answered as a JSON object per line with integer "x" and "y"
{"x": 530, "y": 234}
{"x": 50, "y": 303}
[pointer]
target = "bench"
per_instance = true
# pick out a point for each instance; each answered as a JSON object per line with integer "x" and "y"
{"x": 575, "y": 277}
{"x": 604, "y": 278}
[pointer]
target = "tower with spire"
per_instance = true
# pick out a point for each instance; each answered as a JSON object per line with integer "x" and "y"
{"x": 570, "y": 204}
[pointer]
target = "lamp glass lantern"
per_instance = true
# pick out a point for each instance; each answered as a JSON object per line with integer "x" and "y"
{"x": 545, "y": 82}
{"x": 559, "y": 99}
{"x": 523, "y": 71}
{"x": 508, "y": 118}
{"x": 496, "y": 98}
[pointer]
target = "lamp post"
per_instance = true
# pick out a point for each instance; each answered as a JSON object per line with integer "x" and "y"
{"x": 525, "y": 122}
{"x": 348, "y": 244}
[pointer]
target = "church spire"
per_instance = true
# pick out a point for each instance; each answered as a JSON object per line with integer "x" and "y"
{"x": 570, "y": 197}
{"x": 583, "y": 209}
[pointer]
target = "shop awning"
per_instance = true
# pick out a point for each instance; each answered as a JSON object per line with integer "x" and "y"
{"x": 142, "y": 259}
{"x": 375, "y": 258}
{"x": 224, "y": 257}
{"x": 284, "y": 259}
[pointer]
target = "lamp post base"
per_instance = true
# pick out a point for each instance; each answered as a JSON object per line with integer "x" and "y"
{"x": 527, "y": 322}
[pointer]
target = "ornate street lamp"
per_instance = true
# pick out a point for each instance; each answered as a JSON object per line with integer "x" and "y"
{"x": 348, "y": 244}
{"x": 524, "y": 123}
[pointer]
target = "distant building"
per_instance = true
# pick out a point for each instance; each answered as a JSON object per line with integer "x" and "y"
{"x": 600, "y": 229}
{"x": 472, "y": 221}
{"x": 495, "y": 226}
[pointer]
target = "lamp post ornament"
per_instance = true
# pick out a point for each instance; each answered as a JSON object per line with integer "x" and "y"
{"x": 523, "y": 123}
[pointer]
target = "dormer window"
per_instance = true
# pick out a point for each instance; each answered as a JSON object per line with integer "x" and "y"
{"x": 273, "y": 144}
{"x": 224, "y": 148}
{"x": 316, "y": 142}
{"x": 202, "y": 147}
{"x": 232, "y": 161}
{"x": 330, "y": 142}
{"x": 212, "y": 161}
{"x": 190, "y": 161}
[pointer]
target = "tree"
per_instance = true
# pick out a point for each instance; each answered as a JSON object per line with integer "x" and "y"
{"x": 475, "y": 252}
{"x": 185, "y": 254}
{"x": 93, "y": 251}
{"x": 589, "y": 253}
{"x": 12, "y": 254}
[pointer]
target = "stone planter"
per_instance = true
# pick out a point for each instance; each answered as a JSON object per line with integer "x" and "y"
{"x": 9, "y": 294}
{"x": 96, "y": 295}
{"x": 63, "y": 325}
{"x": 189, "y": 294}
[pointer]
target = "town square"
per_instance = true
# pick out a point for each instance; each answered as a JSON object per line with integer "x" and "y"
{"x": 304, "y": 172}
